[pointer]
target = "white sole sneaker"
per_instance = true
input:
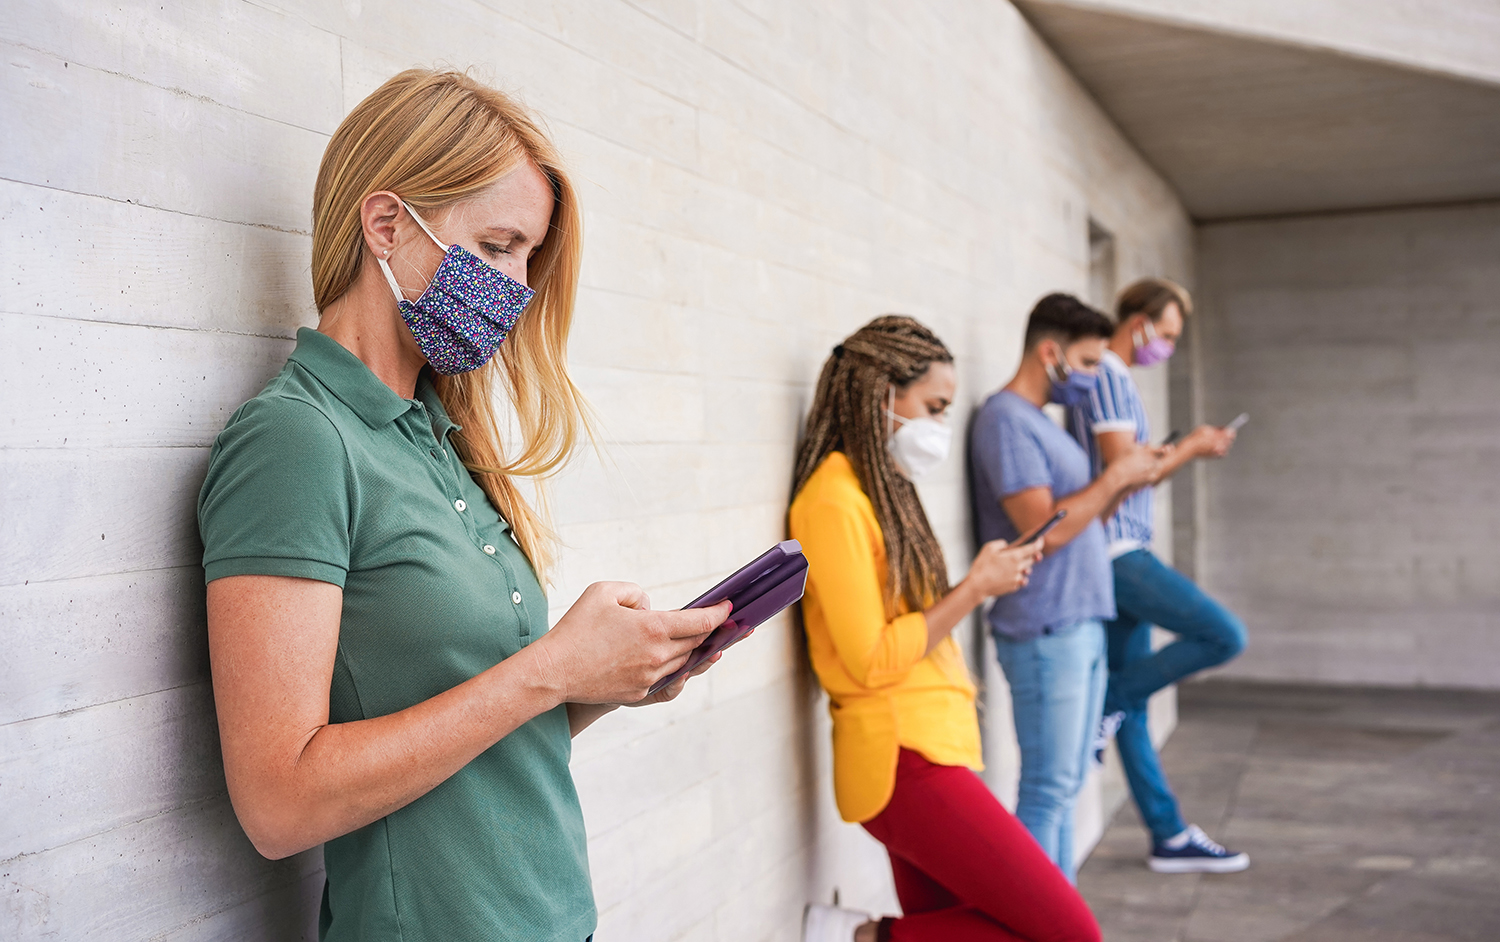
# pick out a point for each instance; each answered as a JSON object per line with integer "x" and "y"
{"x": 822, "y": 923}
{"x": 1232, "y": 864}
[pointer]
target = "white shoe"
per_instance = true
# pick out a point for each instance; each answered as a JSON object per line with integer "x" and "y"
{"x": 1108, "y": 726}
{"x": 830, "y": 923}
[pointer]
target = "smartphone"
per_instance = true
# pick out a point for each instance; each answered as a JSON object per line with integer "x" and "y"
{"x": 1041, "y": 531}
{"x": 760, "y": 589}
{"x": 1176, "y": 434}
{"x": 1238, "y": 422}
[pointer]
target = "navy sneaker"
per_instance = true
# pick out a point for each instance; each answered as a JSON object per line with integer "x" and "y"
{"x": 1108, "y": 726}
{"x": 1192, "y": 851}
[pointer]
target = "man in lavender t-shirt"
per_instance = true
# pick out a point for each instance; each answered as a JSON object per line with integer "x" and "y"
{"x": 1049, "y": 635}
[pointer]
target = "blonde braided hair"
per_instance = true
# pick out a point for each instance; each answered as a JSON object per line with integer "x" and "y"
{"x": 848, "y": 415}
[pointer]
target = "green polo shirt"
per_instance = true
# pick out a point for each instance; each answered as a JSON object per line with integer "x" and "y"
{"x": 329, "y": 475}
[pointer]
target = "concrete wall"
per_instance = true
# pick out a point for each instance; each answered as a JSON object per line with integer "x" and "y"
{"x": 1355, "y": 524}
{"x": 759, "y": 179}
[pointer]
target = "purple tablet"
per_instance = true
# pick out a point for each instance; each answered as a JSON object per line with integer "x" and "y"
{"x": 772, "y": 582}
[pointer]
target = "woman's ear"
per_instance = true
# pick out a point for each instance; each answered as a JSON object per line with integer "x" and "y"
{"x": 377, "y": 215}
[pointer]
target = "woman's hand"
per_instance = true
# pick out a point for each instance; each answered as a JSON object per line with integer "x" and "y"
{"x": 671, "y": 691}
{"x": 610, "y": 647}
{"x": 583, "y": 715}
{"x": 1000, "y": 569}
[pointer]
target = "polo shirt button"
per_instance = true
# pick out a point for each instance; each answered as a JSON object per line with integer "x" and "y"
{"x": 460, "y": 506}
{"x": 489, "y": 549}
{"x": 515, "y": 597}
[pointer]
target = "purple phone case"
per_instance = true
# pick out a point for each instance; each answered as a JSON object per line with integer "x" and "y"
{"x": 774, "y": 580}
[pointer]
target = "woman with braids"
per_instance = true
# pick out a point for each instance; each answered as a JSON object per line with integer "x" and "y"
{"x": 879, "y": 614}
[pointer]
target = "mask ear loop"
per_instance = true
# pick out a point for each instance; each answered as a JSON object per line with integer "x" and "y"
{"x": 422, "y": 224}
{"x": 1060, "y": 367}
{"x": 385, "y": 268}
{"x": 1148, "y": 334}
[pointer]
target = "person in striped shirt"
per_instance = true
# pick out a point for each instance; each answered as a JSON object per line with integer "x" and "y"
{"x": 1147, "y": 591}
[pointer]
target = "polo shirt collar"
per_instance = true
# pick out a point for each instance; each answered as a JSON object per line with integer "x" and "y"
{"x": 347, "y": 377}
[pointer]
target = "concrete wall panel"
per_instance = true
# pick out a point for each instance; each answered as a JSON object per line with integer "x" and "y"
{"x": 1354, "y": 526}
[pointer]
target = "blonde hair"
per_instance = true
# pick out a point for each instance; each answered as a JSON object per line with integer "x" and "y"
{"x": 435, "y": 139}
{"x": 1150, "y": 296}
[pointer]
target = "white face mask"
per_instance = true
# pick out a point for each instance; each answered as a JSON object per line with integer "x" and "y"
{"x": 918, "y": 446}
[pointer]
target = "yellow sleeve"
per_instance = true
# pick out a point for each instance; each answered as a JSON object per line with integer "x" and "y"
{"x": 841, "y": 571}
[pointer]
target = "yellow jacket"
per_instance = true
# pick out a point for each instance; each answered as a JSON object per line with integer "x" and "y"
{"x": 884, "y": 694}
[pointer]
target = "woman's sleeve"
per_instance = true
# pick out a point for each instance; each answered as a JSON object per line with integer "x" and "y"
{"x": 277, "y": 498}
{"x": 841, "y": 570}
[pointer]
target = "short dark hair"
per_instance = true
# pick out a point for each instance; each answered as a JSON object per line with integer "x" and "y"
{"x": 1066, "y": 319}
{"x": 1150, "y": 296}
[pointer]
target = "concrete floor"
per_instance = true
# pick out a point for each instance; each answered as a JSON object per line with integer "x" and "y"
{"x": 1370, "y": 815}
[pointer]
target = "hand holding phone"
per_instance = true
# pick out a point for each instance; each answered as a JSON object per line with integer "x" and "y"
{"x": 1040, "y": 531}
{"x": 1171, "y": 439}
{"x": 765, "y": 586}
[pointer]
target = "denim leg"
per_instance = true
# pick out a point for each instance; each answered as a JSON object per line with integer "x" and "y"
{"x": 1056, "y": 695}
{"x": 1096, "y": 680}
{"x": 1129, "y": 642}
{"x": 1147, "y": 590}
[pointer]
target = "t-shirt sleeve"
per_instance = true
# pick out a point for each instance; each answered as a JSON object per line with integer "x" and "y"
{"x": 1010, "y": 455}
{"x": 277, "y": 498}
{"x": 1110, "y": 404}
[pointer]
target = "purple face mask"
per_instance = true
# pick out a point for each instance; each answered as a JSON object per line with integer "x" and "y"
{"x": 462, "y": 317}
{"x": 1151, "y": 349}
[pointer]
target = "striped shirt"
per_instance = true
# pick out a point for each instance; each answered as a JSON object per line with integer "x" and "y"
{"x": 1115, "y": 406}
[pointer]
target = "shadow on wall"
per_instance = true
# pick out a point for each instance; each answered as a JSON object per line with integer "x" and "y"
{"x": 807, "y": 699}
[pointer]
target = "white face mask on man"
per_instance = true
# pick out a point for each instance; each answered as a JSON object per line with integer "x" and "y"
{"x": 919, "y": 445}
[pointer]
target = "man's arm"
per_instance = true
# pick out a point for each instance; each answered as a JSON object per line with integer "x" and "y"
{"x": 1030, "y": 508}
{"x": 1205, "y": 441}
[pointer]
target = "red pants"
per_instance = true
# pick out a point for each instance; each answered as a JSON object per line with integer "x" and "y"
{"x": 965, "y": 869}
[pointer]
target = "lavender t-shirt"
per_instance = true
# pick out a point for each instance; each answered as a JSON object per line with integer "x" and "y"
{"x": 1013, "y": 447}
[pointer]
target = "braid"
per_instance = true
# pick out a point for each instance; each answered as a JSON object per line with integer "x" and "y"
{"x": 848, "y": 415}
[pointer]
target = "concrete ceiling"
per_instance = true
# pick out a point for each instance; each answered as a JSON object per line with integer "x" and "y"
{"x": 1245, "y": 127}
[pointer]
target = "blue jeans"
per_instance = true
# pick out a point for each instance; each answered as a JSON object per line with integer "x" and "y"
{"x": 1057, "y": 695}
{"x": 1149, "y": 592}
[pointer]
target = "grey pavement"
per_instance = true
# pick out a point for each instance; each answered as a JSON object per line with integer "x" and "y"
{"x": 1370, "y": 815}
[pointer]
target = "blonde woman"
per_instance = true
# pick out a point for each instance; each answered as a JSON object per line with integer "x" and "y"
{"x": 384, "y": 677}
{"x": 880, "y": 615}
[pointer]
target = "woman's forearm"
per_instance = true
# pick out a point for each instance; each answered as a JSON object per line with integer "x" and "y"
{"x": 951, "y": 609}
{"x": 347, "y": 775}
{"x": 583, "y": 715}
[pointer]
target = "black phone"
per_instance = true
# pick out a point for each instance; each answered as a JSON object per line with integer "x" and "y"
{"x": 1041, "y": 531}
{"x": 1176, "y": 434}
